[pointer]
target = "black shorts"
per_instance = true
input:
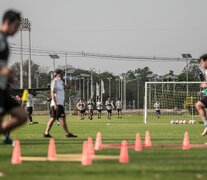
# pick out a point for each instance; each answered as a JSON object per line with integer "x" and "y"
{"x": 59, "y": 113}
{"x": 109, "y": 110}
{"x": 119, "y": 109}
{"x": 6, "y": 102}
{"x": 30, "y": 110}
{"x": 204, "y": 101}
{"x": 158, "y": 111}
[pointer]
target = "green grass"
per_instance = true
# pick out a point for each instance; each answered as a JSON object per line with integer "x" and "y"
{"x": 150, "y": 164}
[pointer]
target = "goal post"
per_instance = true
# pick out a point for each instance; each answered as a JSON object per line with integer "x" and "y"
{"x": 175, "y": 101}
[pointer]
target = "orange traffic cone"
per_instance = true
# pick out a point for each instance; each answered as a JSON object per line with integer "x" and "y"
{"x": 138, "y": 143}
{"x": 186, "y": 142}
{"x": 16, "y": 155}
{"x": 124, "y": 158}
{"x": 147, "y": 141}
{"x": 86, "y": 157}
{"x": 90, "y": 146}
{"x": 98, "y": 143}
{"x": 51, "y": 154}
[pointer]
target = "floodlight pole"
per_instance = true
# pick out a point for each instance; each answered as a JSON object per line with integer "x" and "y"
{"x": 109, "y": 86}
{"x": 25, "y": 26}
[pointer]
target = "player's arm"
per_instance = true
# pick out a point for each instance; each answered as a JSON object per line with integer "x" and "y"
{"x": 203, "y": 85}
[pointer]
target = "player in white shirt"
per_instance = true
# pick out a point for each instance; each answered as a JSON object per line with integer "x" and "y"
{"x": 30, "y": 108}
{"x": 119, "y": 107}
{"x": 99, "y": 107}
{"x": 157, "y": 109}
{"x": 57, "y": 105}
{"x": 81, "y": 109}
{"x": 90, "y": 106}
{"x": 109, "y": 106}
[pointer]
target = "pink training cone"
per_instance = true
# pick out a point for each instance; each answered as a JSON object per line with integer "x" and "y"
{"x": 16, "y": 155}
{"x": 86, "y": 157}
{"x": 186, "y": 142}
{"x": 124, "y": 157}
{"x": 90, "y": 146}
{"x": 138, "y": 143}
{"x": 51, "y": 155}
{"x": 147, "y": 142}
{"x": 98, "y": 143}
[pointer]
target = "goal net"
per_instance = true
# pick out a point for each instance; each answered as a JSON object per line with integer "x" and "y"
{"x": 167, "y": 102}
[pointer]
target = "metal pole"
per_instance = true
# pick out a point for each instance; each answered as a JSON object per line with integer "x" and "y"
{"x": 87, "y": 80}
{"x": 65, "y": 68}
{"x": 124, "y": 107}
{"x": 54, "y": 64}
{"x": 187, "y": 74}
{"x": 91, "y": 85}
{"x": 83, "y": 88}
{"x": 137, "y": 92}
{"x": 29, "y": 63}
{"x": 21, "y": 61}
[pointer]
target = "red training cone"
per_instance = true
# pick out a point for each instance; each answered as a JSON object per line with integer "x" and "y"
{"x": 98, "y": 143}
{"x": 138, "y": 143}
{"x": 16, "y": 155}
{"x": 186, "y": 142}
{"x": 90, "y": 146}
{"x": 86, "y": 157}
{"x": 147, "y": 141}
{"x": 124, "y": 158}
{"x": 51, "y": 155}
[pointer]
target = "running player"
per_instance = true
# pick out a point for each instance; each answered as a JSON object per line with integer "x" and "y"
{"x": 157, "y": 109}
{"x": 81, "y": 109}
{"x": 119, "y": 108}
{"x": 109, "y": 106}
{"x": 99, "y": 107}
{"x": 90, "y": 105}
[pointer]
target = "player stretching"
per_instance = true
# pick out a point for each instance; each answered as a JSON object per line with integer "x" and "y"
{"x": 119, "y": 107}
{"x": 202, "y": 104}
{"x": 109, "y": 106}
{"x": 157, "y": 109}
{"x": 99, "y": 107}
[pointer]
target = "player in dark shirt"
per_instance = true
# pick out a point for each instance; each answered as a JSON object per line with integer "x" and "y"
{"x": 10, "y": 24}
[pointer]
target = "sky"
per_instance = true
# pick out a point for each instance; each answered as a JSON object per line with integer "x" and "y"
{"x": 160, "y": 28}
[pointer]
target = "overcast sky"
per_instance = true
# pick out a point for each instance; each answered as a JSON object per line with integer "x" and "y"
{"x": 164, "y": 28}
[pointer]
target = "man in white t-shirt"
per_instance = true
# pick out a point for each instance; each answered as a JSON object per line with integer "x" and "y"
{"x": 157, "y": 109}
{"x": 57, "y": 105}
{"x": 90, "y": 106}
{"x": 119, "y": 107}
{"x": 109, "y": 106}
{"x": 30, "y": 108}
{"x": 99, "y": 107}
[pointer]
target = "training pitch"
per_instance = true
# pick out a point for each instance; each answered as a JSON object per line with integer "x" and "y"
{"x": 151, "y": 163}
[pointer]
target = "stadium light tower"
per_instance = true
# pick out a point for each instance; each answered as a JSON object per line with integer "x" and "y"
{"x": 54, "y": 57}
{"x": 187, "y": 56}
{"x": 25, "y": 25}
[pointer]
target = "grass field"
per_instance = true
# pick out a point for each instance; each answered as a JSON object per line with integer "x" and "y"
{"x": 150, "y": 164}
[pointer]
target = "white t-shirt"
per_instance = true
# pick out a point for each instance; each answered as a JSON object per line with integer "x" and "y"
{"x": 90, "y": 104}
{"x": 29, "y": 101}
{"x": 99, "y": 105}
{"x": 118, "y": 104}
{"x": 80, "y": 105}
{"x": 109, "y": 105}
{"x": 157, "y": 106}
{"x": 57, "y": 86}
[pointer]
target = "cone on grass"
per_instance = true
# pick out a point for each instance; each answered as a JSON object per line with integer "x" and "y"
{"x": 147, "y": 142}
{"x": 98, "y": 143}
{"x": 124, "y": 157}
{"x": 51, "y": 155}
{"x": 86, "y": 157}
{"x": 90, "y": 146}
{"x": 186, "y": 142}
{"x": 138, "y": 143}
{"x": 16, "y": 155}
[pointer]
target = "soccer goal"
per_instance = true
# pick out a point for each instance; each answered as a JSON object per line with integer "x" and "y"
{"x": 174, "y": 102}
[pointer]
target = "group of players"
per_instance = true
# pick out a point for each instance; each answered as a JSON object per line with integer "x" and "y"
{"x": 10, "y": 23}
{"x": 82, "y": 106}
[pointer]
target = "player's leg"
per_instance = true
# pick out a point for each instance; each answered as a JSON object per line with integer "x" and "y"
{"x": 200, "y": 106}
{"x": 29, "y": 113}
{"x": 50, "y": 122}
